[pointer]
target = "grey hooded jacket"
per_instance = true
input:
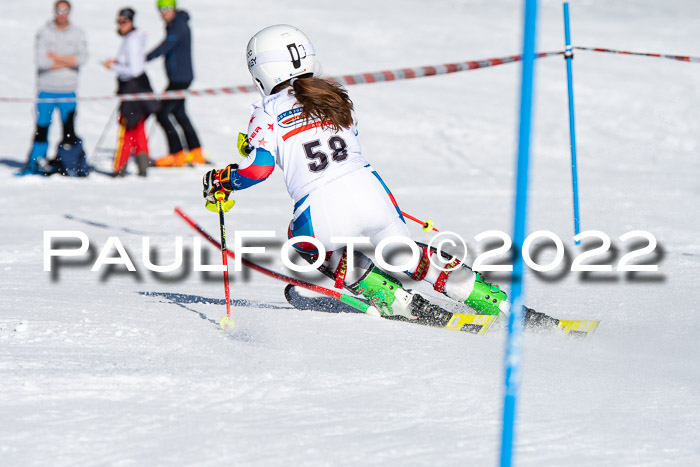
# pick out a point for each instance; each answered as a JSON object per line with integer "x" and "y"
{"x": 70, "y": 41}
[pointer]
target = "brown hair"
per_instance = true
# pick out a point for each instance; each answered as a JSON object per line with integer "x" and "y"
{"x": 323, "y": 100}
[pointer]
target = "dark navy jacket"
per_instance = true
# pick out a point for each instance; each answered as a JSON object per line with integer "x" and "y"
{"x": 177, "y": 48}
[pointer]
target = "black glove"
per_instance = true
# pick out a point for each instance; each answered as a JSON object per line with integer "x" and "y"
{"x": 216, "y": 181}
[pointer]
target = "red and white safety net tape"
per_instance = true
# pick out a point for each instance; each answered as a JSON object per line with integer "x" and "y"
{"x": 682, "y": 58}
{"x": 420, "y": 72}
{"x": 360, "y": 78}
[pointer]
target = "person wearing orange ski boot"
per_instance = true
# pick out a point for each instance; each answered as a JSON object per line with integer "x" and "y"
{"x": 177, "y": 49}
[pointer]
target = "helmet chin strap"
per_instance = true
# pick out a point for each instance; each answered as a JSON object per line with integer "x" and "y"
{"x": 259, "y": 85}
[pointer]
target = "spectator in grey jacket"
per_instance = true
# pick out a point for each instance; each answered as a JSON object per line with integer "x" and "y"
{"x": 59, "y": 50}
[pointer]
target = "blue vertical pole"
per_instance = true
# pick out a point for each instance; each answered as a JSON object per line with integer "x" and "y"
{"x": 569, "y": 55}
{"x": 515, "y": 322}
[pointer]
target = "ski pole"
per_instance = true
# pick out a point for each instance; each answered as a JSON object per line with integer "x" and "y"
{"x": 427, "y": 225}
{"x": 226, "y": 322}
{"x": 104, "y": 132}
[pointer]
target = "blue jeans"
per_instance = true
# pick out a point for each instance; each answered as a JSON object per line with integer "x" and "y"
{"x": 44, "y": 113}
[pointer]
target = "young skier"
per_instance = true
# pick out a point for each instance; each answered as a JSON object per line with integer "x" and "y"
{"x": 306, "y": 125}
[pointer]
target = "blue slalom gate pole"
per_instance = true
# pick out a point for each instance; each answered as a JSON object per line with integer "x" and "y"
{"x": 515, "y": 322}
{"x": 569, "y": 55}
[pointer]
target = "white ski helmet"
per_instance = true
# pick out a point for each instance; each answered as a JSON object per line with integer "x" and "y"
{"x": 278, "y": 53}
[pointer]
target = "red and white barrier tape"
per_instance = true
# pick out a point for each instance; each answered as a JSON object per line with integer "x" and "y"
{"x": 682, "y": 58}
{"x": 375, "y": 77}
{"x": 420, "y": 72}
{"x": 142, "y": 96}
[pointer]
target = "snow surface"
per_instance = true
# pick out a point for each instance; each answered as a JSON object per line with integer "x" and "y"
{"x": 119, "y": 368}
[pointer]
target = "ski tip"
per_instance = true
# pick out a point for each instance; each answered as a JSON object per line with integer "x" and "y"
{"x": 578, "y": 328}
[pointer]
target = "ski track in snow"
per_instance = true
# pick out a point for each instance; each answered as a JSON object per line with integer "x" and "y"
{"x": 118, "y": 368}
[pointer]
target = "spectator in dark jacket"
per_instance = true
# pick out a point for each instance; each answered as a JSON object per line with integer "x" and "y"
{"x": 177, "y": 48}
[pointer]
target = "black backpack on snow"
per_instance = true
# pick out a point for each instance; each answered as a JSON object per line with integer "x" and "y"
{"x": 70, "y": 160}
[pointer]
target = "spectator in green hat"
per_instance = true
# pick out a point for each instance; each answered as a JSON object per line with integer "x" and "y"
{"x": 177, "y": 49}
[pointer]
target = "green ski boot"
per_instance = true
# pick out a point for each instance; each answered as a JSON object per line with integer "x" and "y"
{"x": 385, "y": 292}
{"x": 394, "y": 302}
{"x": 486, "y": 298}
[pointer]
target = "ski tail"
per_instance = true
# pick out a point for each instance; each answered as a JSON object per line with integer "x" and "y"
{"x": 315, "y": 302}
